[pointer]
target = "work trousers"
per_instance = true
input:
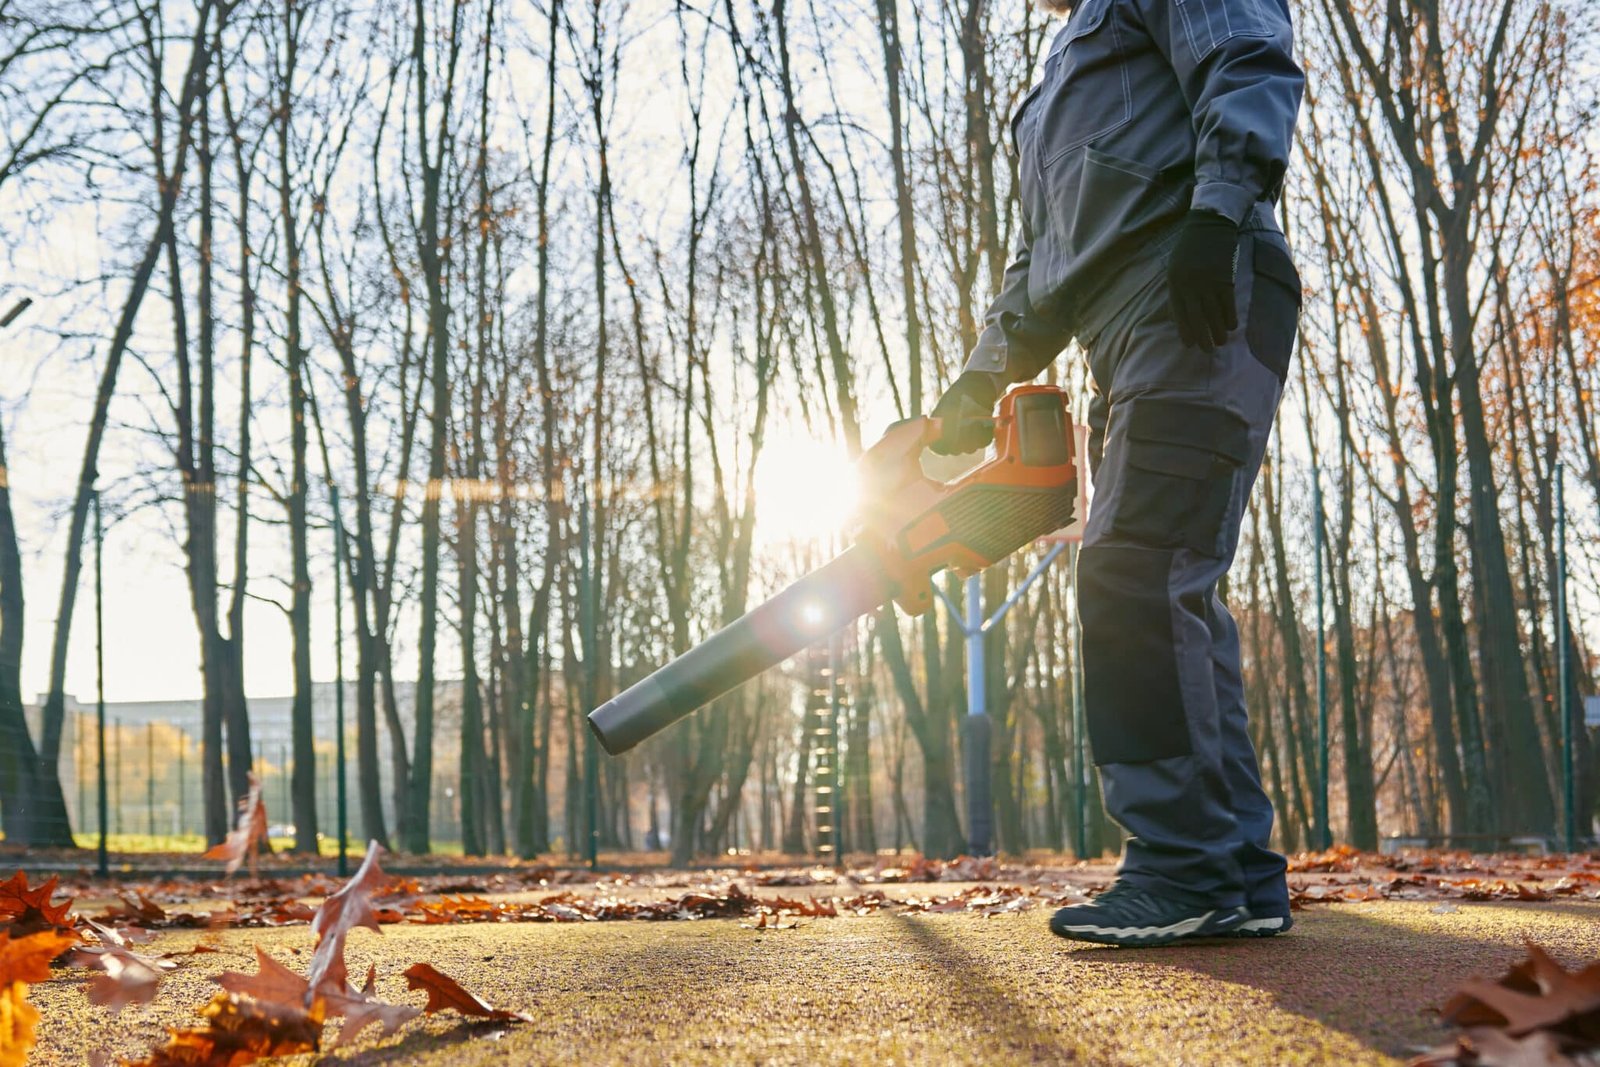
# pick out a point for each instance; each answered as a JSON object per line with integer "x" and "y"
{"x": 1176, "y": 438}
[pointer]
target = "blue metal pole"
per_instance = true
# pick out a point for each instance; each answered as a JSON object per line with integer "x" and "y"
{"x": 102, "y": 866}
{"x": 1563, "y": 680}
{"x": 980, "y": 836}
{"x": 1324, "y": 829}
{"x": 338, "y": 680}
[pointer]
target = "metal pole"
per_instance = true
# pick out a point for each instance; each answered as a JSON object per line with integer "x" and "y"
{"x": 116, "y": 773}
{"x": 1324, "y": 831}
{"x": 1080, "y": 763}
{"x": 589, "y": 607}
{"x": 150, "y": 778}
{"x": 183, "y": 741}
{"x": 338, "y": 680}
{"x": 102, "y": 866}
{"x": 980, "y": 836}
{"x": 1563, "y": 680}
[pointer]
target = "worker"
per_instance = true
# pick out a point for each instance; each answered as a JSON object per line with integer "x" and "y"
{"x": 1151, "y": 156}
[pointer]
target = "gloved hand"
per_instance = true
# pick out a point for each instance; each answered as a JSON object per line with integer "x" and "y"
{"x": 1200, "y": 279}
{"x": 966, "y": 414}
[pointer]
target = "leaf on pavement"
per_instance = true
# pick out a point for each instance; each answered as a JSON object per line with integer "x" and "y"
{"x": 361, "y": 1009}
{"x": 25, "y": 911}
{"x": 24, "y": 960}
{"x": 445, "y": 992}
{"x": 239, "y": 1030}
{"x": 1537, "y": 1014}
{"x": 272, "y": 984}
{"x": 246, "y": 838}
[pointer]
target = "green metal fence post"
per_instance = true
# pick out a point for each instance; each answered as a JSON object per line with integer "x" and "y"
{"x": 1324, "y": 828}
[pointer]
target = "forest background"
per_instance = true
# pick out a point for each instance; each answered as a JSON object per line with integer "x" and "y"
{"x": 569, "y": 317}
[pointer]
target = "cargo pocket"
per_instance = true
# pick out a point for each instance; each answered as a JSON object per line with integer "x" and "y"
{"x": 1274, "y": 316}
{"x": 1183, "y": 461}
{"x": 1133, "y": 701}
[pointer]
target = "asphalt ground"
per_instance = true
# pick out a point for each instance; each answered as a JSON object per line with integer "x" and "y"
{"x": 1352, "y": 984}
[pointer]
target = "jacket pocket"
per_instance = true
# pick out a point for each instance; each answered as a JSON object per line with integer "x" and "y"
{"x": 1274, "y": 316}
{"x": 1182, "y": 468}
{"x": 1089, "y": 59}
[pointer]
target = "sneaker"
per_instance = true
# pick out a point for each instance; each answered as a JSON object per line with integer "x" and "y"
{"x": 1128, "y": 915}
{"x": 1263, "y": 926}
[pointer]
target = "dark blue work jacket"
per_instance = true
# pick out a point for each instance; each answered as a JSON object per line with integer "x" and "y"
{"x": 1146, "y": 109}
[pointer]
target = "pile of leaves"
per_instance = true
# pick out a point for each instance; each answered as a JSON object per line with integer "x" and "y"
{"x": 1343, "y": 875}
{"x": 1537, "y": 1014}
{"x": 273, "y": 1012}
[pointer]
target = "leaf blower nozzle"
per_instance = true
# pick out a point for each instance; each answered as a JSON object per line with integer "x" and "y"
{"x": 804, "y": 613}
{"x": 910, "y": 528}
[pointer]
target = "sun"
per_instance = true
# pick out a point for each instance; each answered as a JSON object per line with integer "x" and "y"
{"x": 806, "y": 490}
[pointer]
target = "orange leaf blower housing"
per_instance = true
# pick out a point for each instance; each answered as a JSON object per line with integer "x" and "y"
{"x": 911, "y": 527}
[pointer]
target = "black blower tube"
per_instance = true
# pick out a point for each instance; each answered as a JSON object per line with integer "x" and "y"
{"x": 812, "y": 608}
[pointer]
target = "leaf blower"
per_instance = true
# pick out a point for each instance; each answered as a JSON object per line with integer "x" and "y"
{"x": 909, "y": 528}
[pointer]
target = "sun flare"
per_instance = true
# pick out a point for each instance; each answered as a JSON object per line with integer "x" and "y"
{"x": 806, "y": 490}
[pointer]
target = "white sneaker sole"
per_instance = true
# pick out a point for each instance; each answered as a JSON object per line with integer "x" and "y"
{"x": 1264, "y": 927}
{"x": 1208, "y": 924}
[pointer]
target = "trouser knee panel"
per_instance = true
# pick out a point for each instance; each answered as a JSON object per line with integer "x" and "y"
{"x": 1132, "y": 696}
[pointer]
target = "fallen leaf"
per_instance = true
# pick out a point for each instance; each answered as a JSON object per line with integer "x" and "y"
{"x": 246, "y": 838}
{"x": 24, "y": 960}
{"x": 127, "y": 979}
{"x": 25, "y": 911}
{"x": 445, "y": 992}
{"x": 273, "y": 983}
{"x": 239, "y": 1030}
{"x": 362, "y": 1008}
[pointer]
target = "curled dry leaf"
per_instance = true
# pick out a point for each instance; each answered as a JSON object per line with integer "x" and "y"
{"x": 23, "y": 961}
{"x": 445, "y": 992}
{"x": 128, "y": 978}
{"x": 1537, "y": 1014}
{"x": 245, "y": 840}
{"x": 362, "y": 1008}
{"x": 239, "y": 1030}
{"x": 346, "y": 909}
{"x": 25, "y": 911}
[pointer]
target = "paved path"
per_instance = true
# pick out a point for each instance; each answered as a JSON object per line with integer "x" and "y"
{"x": 1353, "y": 984}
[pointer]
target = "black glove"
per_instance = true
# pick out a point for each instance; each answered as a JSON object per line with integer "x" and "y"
{"x": 966, "y": 414}
{"x": 1200, "y": 279}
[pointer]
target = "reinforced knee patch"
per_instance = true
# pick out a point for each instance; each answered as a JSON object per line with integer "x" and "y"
{"x": 1132, "y": 697}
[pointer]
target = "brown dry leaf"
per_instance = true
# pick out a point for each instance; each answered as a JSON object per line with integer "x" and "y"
{"x": 342, "y": 912}
{"x": 24, "y": 960}
{"x": 25, "y": 911}
{"x": 445, "y": 992}
{"x": 273, "y": 983}
{"x": 246, "y": 838}
{"x": 1538, "y": 994}
{"x": 1487, "y": 1047}
{"x": 239, "y": 1030}
{"x": 361, "y": 1009}
{"x": 128, "y": 978}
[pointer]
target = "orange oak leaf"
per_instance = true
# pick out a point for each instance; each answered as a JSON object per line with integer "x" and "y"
{"x": 445, "y": 992}
{"x": 25, "y": 911}
{"x": 246, "y": 838}
{"x": 24, "y": 960}
{"x": 239, "y": 1031}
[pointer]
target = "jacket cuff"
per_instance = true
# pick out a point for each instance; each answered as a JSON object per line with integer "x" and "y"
{"x": 991, "y": 353}
{"x": 1232, "y": 202}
